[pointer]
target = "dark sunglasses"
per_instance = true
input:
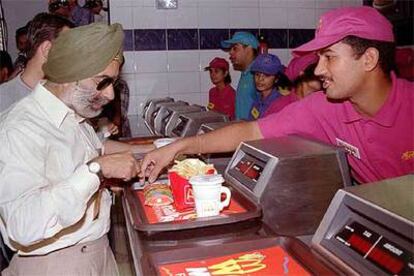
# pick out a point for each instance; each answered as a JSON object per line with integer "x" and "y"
{"x": 105, "y": 82}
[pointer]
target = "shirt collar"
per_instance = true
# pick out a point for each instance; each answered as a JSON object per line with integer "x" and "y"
{"x": 387, "y": 114}
{"x": 56, "y": 110}
{"x": 273, "y": 95}
{"x": 247, "y": 71}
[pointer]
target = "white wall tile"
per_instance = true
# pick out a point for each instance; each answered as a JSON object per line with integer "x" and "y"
{"x": 151, "y": 61}
{"x": 214, "y": 17}
{"x": 207, "y": 55}
{"x": 273, "y": 3}
{"x": 149, "y": 18}
{"x": 244, "y": 3}
{"x": 124, "y": 3}
{"x": 152, "y": 84}
{"x": 183, "y": 82}
{"x": 183, "y": 61}
{"x": 283, "y": 54}
{"x": 331, "y": 4}
{"x": 204, "y": 99}
{"x": 122, "y": 15}
{"x": 192, "y": 98}
{"x": 205, "y": 82}
{"x": 183, "y": 17}
{"x": 129, "y": 65}
{"x": 310, "y": 4}
{"x": 307, "y": 18}
{"x": 214, "y": 3}
{"x": 130, "y": 79}
{"x": 271, "y": 17}
{"x": 244, "y": 17}
{"x": 351, "y": 3}
{"x": 318, "y": 13}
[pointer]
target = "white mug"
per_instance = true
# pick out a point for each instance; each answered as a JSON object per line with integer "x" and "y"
{"x": 207, "y": 190}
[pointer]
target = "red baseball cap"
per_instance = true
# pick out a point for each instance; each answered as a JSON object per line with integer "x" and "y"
{"x": 217, "y": 62}
{"x": 299, "y": 64}
{"x": 364, "y": 22}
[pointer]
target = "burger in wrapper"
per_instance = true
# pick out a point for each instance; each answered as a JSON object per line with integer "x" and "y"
{"x": 179, "y": 175}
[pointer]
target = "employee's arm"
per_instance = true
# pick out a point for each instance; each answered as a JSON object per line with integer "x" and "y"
{"x": 221, "y": 140}
{"x": 115, "y": 146}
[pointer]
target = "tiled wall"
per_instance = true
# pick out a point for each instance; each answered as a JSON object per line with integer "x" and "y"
{"x": 166, "y": 50}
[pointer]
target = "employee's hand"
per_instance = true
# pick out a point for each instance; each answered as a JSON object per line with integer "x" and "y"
{"x": 118, "y": 165}
{"x": 156, "y": 160}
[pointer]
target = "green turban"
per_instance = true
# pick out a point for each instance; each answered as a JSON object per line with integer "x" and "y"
{"x": 83, "y": 52}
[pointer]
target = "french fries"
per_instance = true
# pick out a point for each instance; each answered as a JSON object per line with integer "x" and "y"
{"x": 192, "y": 167}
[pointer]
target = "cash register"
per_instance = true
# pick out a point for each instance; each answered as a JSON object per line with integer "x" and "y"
{"x": 220, "y": 160}
{"x": 160, "y": 113}
{"x": 292, "y": 178}
{"x": 369, "y": 229}
{"x": 188, "y": 124}
{"x": 149, "y": 108}
{"x": 173, "y": 114}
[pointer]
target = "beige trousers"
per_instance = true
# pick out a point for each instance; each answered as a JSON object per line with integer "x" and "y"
{"x": 91, "y": 258}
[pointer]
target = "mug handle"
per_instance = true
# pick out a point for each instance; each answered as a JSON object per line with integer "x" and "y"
{"x": 226, "y": 202}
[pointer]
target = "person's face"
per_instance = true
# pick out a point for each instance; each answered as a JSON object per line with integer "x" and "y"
{"x": 87, "y": 101}
{"x": 217, "y": 75}
{"x": 342, "y": 75}
{"x": 22, "y": 43}
{"x": 264, "y": 82}
{"x": 239, "y": 56}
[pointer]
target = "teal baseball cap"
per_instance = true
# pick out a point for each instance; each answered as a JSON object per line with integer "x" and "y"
{"x": 244, "y": 38}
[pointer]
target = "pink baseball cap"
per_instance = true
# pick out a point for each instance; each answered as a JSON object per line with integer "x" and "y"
{"x": 298, "y": 64}
{"x": 217, "y": 62}
{"x": 364, "y": 22}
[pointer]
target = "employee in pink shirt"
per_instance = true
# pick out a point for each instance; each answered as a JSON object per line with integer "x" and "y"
{"x": 222, "y": 96}
{"x": 365, "y": 108}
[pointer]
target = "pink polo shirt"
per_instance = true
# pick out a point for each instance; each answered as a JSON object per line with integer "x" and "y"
{"x": 281, "y": 102}
{"x": 378, "y": 148}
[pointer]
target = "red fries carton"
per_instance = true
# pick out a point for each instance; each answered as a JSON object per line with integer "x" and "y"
{"x": 179, "y": 175}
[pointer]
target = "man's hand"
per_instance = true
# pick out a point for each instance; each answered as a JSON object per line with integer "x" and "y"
{"x": 156, "y": 160}
{"x": 118, "y": 165}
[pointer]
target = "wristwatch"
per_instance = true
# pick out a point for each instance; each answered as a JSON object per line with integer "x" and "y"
{"x": 95, "y": 168}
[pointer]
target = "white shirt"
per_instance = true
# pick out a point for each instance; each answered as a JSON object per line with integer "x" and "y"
{"x": 45, "y": 184}
{"x": 12, "y": 91}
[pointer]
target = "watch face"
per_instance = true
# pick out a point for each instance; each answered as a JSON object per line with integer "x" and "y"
{"x": 94, "y": 167}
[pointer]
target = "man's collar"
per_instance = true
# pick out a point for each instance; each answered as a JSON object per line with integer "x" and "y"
{"x": 385, "y": 116}
{"x": 53, "y": 106}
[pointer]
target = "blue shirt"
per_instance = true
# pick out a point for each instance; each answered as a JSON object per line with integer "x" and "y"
{"x": 260, "y": 106}
{"x": 246, "y": 94}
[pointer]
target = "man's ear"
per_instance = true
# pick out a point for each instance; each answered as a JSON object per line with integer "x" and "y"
{"x": 371, "y": 58}
{"x": 44, "y": 48}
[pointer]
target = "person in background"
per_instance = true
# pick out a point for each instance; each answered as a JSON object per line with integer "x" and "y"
{"x": 80, "y": 15}
{"x": 54, "y": 211}
{"x": 266, "y": 69}
{"x": 404, "y": 59}
{"x": 60, "y": 7}
{"x": 243, "y": 50}
{"x": 300, "y": 72}
{"x": 363, "y": 109}
{"x": 94, "y": 6}
{"x": 6, "y": 66}
{"x": 42, "y": 31}
{"x": 22, "y": 44}
{"x": 221, "y": 97}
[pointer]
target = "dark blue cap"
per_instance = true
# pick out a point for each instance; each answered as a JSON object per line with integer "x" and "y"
{"x": 268, "y": 64}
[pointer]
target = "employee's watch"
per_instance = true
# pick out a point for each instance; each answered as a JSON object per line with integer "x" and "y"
{"x": 95, "y": 168}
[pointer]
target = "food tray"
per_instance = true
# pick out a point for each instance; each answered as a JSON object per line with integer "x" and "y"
{"x": 261, "y": 256}
{"x": 145, "y": 218}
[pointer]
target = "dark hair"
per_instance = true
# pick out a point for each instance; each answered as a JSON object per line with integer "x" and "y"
{"x": 21, "y": 31}
{"x": 227, "y": 79}
{"x": 57, "y": 4}
{"x": 43, "y": 27}
{"x": 386, "y": 50}
{"x": 283, "y": 81}
{"x": 6, "y": 61}
{"x": 308, "y": 75}
{"x": 90, "y": 4}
